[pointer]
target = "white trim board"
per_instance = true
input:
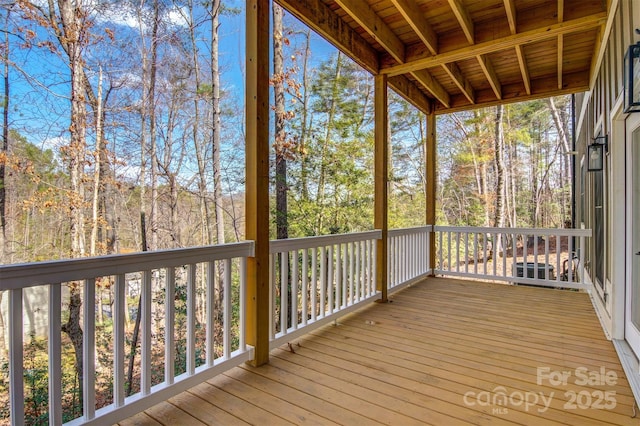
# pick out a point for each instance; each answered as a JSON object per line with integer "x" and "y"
{"x": 630, "y": 366}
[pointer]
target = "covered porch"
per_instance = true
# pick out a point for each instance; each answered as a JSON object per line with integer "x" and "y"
{"x": 443, "y": 351}
{"x": 438, "y": 350}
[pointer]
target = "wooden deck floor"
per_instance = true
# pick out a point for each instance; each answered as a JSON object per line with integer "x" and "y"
{"x": 438, "y": 354}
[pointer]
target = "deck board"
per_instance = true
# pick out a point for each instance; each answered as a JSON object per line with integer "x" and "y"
{"x": 413, "y": 360}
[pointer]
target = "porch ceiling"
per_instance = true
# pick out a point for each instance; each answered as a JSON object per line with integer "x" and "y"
{"x": 451, "y": 55}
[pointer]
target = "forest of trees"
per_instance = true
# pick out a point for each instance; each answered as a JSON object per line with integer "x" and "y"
{"x": 507, "y": 165}
{"x": 119, "y": 116}
{"x": 135, "y": 117}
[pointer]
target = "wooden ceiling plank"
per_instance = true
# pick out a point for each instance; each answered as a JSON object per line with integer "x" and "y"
{"x": 508, "y": 42}
{"x": 510, "y": 9}
{"x": 524, "y": 70}
{"x": 464, "y": 19}
{"x": 432, "y": 86}
{"x": 416, "y": 20}
{"x": 463, "y": 84}
{"x": 317, "y": 16}
{"x": 490, "y": 73}
{"x": 560, "y": 59}
{"x": 362, "y": 13}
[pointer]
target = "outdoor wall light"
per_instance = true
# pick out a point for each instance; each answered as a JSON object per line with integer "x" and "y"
{"x": 595, "y": 153}
{"x": 632, "y": 78}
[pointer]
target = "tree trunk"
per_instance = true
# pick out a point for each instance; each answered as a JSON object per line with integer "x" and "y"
{"x": 508, "y": 187}
{"x": 534, "y": 158}
{"x": 566, "y": 173}
{"x": 500, "y": 178}
{"x": 97, "y": 168}
{"x": 198, "y": 142}
{"x": 77, "y": 146}
{"x": 74, "y": 331}
{"x": 153, "y": 213}
{"x": 72, "y": 37}
{"x": 304, "y": 121}
{"x": 485, "y": 192}
{"x": 282, "y": 226}
{"x": 562, "y": 134}
{"x": 107, "y": 204}
{"x": 4, "y": 150}
{"x": 500, "y": 168}
{"x": 216, "y": 128}
{"x": 144, "y": 114}
{"x": 280, "y": 146}
{"x": 514, "y": 185}
{"x": 320, "y": 199}
{"x": 217, "y": 125}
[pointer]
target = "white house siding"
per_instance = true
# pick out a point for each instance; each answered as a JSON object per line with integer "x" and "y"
{"x": 600, "y": 112}
{"x": 35, "y": 308}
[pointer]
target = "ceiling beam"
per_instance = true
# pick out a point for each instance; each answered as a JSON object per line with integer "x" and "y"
{"x": 325, "y": 22}
{"x": 560, "y": 43}
{"x": 464, "y": 19}
{"x": 362, "y": 13}
{"x": 541, "y": 88}
{"x": 560, "y": 59}
{"x": 524, "y": 70}
{"x": 317, "y": 16}
{"x": 487, "y": 69}
{"x": 510, "y": 9}
{"x": 432, "y": 86}
{"x": 411, "y": 93}
{"x": 414, "y": 17}
{"x": 560, "y": 10}
{"x": 463, "y": 84}
{"x": 500, "y": 44}
{"x": 522, "y": 61}
{"x": 368, "y": 19}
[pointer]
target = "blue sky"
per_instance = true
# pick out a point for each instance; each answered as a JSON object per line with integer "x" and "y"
{"x": 40, "y": 73}
{"x": 40, "y": 79}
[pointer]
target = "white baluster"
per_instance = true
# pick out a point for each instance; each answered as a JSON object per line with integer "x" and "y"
{"x": 146, "y": 353}
{"x": 55, "y": 357}
{"x": 169, "y": 326}
{"x": 119, "y": 341}
{"x": 191, "y": 319}
{"x": 227, "y": 308}
{"x": 210, "y": 348}
{"x": 89, "y": 350}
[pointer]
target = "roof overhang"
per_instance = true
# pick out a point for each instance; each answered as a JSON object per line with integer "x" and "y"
{"x": 450, "y": 55}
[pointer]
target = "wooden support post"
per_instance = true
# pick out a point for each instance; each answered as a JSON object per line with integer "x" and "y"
{"x": 430, "y": 173}
{"x": 381, "y": 177}
{"x": 257, "y": 176}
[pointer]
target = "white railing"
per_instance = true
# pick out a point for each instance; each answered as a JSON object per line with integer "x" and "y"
{"x": 408, "y": 256}
{"x": 317, "y": 279}
{"x": 313, "y": 281}
{"x": 547, "y": 257}
{"x": 153, "y": 275}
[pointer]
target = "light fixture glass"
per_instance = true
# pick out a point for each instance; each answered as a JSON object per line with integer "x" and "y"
{"x": 632, "y": 79}
{"x": 596, "y": 152}
{"x": 595, "y": 157}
